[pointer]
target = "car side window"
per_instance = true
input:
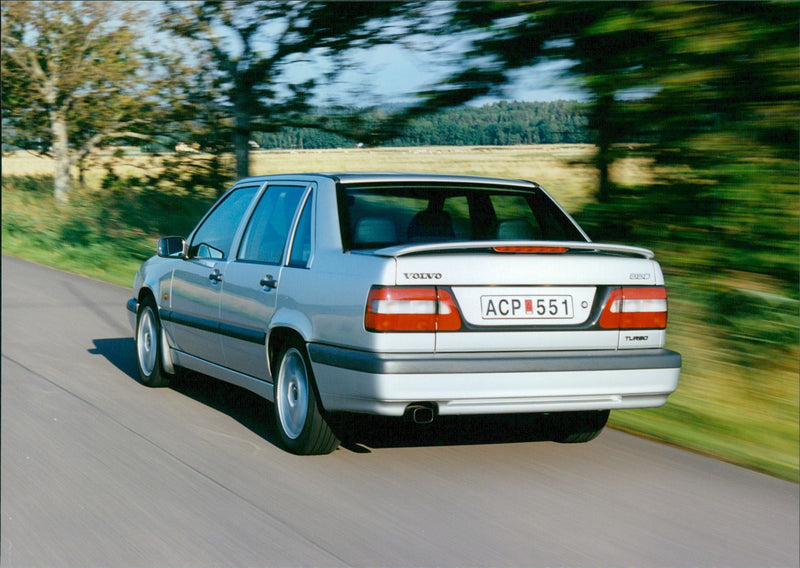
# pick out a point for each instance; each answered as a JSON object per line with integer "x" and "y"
{"x": 266, "y": 233}
{"x": 301, "y": 247}
{"x": 214, "y": 236}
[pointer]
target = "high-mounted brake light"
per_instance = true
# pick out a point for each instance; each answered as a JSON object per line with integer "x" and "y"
{"x": 535, "y": 250}
{"x": 411, "y": 309}
{"x": 635, "y": 308}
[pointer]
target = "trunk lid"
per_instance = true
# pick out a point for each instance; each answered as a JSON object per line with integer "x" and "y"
{"x": 507, "y": 300}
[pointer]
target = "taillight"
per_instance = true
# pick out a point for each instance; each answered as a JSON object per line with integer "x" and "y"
{"x": 411, "y": 309}
{"x": 635, "y": 308}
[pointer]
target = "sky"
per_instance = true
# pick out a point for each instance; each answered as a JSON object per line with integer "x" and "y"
{"x": 388, "y": 74}
{"x": 392, "y": 72}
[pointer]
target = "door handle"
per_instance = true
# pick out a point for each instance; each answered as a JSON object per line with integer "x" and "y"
{"x": 215, "y": 276}
{"x": 268, "y": 282}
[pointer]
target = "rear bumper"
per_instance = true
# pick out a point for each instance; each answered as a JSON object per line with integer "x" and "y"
{"x": 489, "y": 383}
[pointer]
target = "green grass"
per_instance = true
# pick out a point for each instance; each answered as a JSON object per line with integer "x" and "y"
{"x": 737, "y": 397}
{"x": 79, "y": 238}
{"x": 718, "y": 411}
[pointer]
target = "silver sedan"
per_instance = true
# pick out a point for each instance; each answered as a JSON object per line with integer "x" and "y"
{"x": 405, "y": 295}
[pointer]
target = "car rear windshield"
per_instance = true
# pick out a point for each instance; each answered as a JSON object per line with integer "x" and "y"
{"x": 381, "y": 215}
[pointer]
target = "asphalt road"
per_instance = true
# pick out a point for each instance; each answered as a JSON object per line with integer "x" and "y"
{"x": 98, "y": 470}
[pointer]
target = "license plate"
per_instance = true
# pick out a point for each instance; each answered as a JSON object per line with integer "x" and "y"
{"x": 527, "y": 307}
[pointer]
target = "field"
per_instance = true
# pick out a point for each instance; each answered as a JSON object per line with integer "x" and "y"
{"x": 719, "y": 408}
{"x": 545, "y": 164}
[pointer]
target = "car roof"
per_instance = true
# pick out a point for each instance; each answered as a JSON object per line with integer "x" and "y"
{"x": 388, "y": 177}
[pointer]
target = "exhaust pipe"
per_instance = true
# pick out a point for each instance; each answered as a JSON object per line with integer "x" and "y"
{"x": 422, "y": 413}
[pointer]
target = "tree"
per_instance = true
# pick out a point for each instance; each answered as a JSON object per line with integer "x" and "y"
{"x": 70, "y": 79}
{"x": 726, "y": 111}
{"x": 256, "y": 45}
{"x": 608, "y": 49}
{"x": 665, "y": 72}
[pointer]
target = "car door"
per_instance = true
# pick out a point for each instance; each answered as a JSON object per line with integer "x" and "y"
{"x": 197, "y": 281}
{"x": 251, "y": 283}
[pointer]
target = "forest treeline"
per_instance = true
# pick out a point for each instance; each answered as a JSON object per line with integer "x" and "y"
{"x": 498, "y": 124}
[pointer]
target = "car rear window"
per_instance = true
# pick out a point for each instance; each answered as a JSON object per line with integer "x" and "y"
{"x": 380, "y": 215}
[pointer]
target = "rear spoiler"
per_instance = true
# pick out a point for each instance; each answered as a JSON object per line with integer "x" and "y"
{"x": 465, "y": 246}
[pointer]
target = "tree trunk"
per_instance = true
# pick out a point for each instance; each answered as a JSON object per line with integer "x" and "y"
{"x": 241, "y": 144}
{"x": 604, "y": 189}
{"x": 605, "y": 136}
{"x": 63, "y": 180}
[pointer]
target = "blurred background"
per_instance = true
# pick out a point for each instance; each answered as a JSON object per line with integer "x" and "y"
{"x": 669, "y": 125}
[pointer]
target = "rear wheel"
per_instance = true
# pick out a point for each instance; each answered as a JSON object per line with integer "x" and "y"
{"x": 578, "y": 427}
{"x": 148, "y": 346}
{"x": 298, "y": 415}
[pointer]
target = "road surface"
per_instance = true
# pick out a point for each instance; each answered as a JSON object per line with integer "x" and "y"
{"x": 98, "y": 470}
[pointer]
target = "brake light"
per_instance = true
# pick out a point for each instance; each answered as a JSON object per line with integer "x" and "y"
{"x": 534, "y": 250}
{"x": 411, "y": 309}
{"x": 635, "y": 308}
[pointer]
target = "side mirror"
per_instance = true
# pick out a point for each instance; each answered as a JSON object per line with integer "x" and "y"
{"x": 172, "y": 247}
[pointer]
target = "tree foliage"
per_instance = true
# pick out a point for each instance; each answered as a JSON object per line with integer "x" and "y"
{"x": 608, "y": 48}
{"x": 71, "y": 79}
{"x": 254, "y": 46}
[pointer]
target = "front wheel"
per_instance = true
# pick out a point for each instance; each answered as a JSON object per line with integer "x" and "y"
{"x": 148, "y": 346}
{"x": 298, "y": 416}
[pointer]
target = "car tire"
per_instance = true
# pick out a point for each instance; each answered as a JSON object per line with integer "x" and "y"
{"x": 578, "y": 427}
{"x": 148, "y": 346}
{"x": 299, "y": 417}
